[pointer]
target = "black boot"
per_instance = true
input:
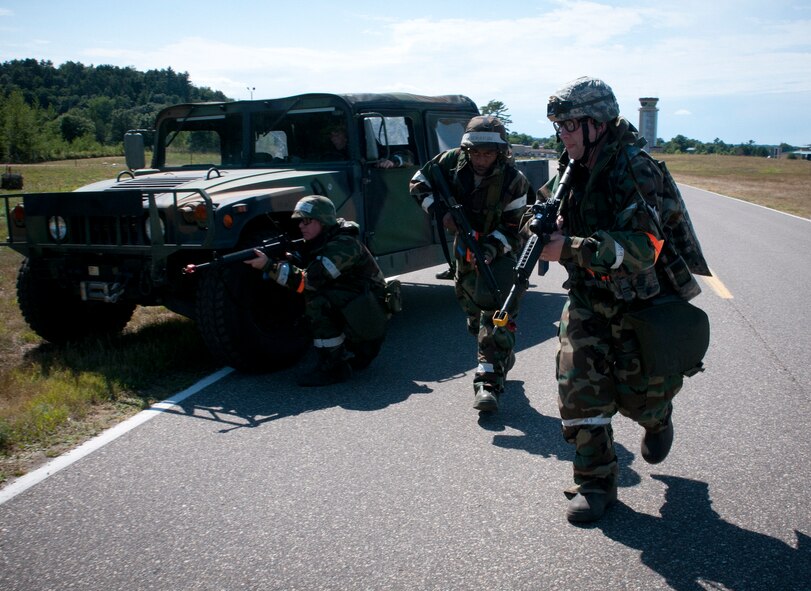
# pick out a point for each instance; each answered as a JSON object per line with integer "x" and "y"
{"x": 656, "y": 446}
{"x": 332, "y": 367}
{"x": 485, "y": 397}
{"x": 585, "y": 507}
{"x": 446, "y": 274}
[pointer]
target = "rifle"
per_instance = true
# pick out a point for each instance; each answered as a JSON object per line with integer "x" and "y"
{"x": 544, "y": 222}
{"x": 468, "y": 236}
{"x": 272, "y": 247}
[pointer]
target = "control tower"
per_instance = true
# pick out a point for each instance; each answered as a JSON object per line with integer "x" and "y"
{"x": 648, "y": 114}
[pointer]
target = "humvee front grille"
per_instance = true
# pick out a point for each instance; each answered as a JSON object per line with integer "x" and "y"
{"x": 107, "y": 230}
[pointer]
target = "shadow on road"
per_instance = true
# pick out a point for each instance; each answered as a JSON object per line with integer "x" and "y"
{"x": 426, "y": 343}
{"x": 694, "y": 549}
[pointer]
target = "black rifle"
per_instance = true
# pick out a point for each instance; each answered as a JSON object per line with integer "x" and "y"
{"x": 544, "y": 222}
{"x": 274, "y": 248}
{"x": 468, "y": 236}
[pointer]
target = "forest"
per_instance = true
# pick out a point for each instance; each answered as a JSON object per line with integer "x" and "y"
{"x": 52, "y": 112}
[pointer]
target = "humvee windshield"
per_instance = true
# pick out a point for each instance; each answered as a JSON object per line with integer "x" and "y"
{"x": 275, "y": 137}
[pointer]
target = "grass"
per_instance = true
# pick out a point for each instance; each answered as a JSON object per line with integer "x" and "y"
{"x": 780, "y": 184}
{"x": 53, "y": 398}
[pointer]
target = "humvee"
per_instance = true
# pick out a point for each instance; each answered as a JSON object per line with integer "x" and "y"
{"x": 223, "y": 177}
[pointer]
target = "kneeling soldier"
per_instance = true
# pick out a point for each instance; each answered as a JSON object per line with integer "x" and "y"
{"x": 344, "y": 291}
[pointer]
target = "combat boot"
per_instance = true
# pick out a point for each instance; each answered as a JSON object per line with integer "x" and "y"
{"x": 332, "y": 367}
{"x": 485, "y": 397}
{"x": 656, "y": 446}
{"x": 585, "y": 507}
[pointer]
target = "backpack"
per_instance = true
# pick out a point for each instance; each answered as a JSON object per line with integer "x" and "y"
{"x": 674, "y": 220}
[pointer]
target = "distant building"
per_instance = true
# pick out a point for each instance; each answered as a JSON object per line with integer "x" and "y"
{"x": 522, "y": 151}
{"x": 648, "y": 115}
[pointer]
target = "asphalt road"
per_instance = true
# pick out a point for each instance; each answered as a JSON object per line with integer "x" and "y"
{"x": 393, "y": 481}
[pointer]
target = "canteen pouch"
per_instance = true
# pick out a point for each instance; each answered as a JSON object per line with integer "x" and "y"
{"x": 673, "y": 336}
{"x": 365, "y": 318}
{"x": 503, "y": 268}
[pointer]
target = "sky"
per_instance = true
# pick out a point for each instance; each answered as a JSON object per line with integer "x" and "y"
{"x": 734, "y": 70}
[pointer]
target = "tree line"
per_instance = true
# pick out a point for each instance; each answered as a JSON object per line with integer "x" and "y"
{"x": 52, "y": 112}
{"x": 678, "y": 145}
{"x": 73, "y": 111}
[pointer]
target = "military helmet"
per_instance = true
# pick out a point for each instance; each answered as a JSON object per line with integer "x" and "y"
{"x": 583, "y": 97}
{"x": 485, "y": 131}
{"x": 316, "y": 207}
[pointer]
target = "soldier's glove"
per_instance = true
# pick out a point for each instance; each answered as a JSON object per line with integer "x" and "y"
{"x": 273, "y": 269}
{"x": 492, "y": 247}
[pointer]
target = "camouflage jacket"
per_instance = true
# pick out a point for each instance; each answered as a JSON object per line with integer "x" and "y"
{"x": 613, "y": 241}
{"x": 336, "y": 259}
{"x": 493, "y": 208}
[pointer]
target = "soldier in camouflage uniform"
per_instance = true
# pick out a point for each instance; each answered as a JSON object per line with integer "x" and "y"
{"x": 610, "y": 245}
{"x": 493, "y": 195}
{"x": 344, "y": 291}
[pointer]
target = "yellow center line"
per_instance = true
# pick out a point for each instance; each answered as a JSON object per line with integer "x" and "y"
{"x": 717, "y": 286}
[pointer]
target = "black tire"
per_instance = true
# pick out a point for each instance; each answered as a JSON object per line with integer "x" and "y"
{"x": 249, "y": 323}
{"x": 58, "y": 315}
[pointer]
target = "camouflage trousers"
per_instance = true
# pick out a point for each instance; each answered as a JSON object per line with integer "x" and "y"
{"x": 599, "y": 374}
{"x": 323, "y": 310}
{"x": 495, "y": 345}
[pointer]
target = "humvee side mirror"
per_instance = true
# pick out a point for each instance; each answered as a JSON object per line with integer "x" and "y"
{"x": 134, "y": 150}
{"x": 370, "y": 137}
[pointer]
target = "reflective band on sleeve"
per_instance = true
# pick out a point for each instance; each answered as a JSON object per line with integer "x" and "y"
{"x": 282, "y": 273}
{"x": 586, "y": 421}
{"x": 330, "y": 267}
{"x": 427, "y": 202}
{"x": 620, "y": 251}
{"x": 419, "y": 177}
{"x": 485, "y": 368}
{"x": 519, "y": 203}
{"x": 502, "y": 239}
{"x": 329, "y": 343}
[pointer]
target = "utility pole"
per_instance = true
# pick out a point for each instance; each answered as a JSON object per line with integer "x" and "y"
{"x": 251, "y": 89}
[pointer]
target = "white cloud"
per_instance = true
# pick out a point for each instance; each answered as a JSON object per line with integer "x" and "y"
{"x": 682, "y": 113}
{"x": 680, "y": 52}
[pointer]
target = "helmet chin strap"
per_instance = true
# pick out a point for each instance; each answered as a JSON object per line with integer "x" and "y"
{"x": 588, "y": 145}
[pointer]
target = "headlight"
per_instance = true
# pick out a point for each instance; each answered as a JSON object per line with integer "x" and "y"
{"x": 148, "y": 228}
{"x": 57, "y": 227}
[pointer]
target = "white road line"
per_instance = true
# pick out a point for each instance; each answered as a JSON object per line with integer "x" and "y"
{"x": 25, "y": 482}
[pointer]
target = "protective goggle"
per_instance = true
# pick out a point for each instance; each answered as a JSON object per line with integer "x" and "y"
{"x": 569, "y": 125}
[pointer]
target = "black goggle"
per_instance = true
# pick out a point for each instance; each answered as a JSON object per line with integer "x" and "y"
{"x": 569, "y": 125}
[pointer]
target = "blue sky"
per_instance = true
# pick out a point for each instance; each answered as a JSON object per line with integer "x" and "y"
{"x": 734, "y": 70}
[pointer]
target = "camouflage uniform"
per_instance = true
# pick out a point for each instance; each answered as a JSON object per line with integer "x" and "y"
{"x": 344, "y": 293}
{"x": 494, "y": 208}
{"x": 337, "y": 269}
{"x": 610, "y": 253}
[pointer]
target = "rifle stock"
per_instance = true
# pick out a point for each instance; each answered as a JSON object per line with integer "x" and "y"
{"x": 466, "y": 233}
{"x": 544, "y": 222}
{"x": 272, "y": 247}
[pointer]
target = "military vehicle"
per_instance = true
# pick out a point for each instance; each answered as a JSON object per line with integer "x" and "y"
{"x": 223, "y": 177}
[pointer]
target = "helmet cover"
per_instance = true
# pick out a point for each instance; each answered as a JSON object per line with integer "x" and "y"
{"x": 485, "y": 131}
{"x": 315, "y": 207}
{"x": 583, "y": 97}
